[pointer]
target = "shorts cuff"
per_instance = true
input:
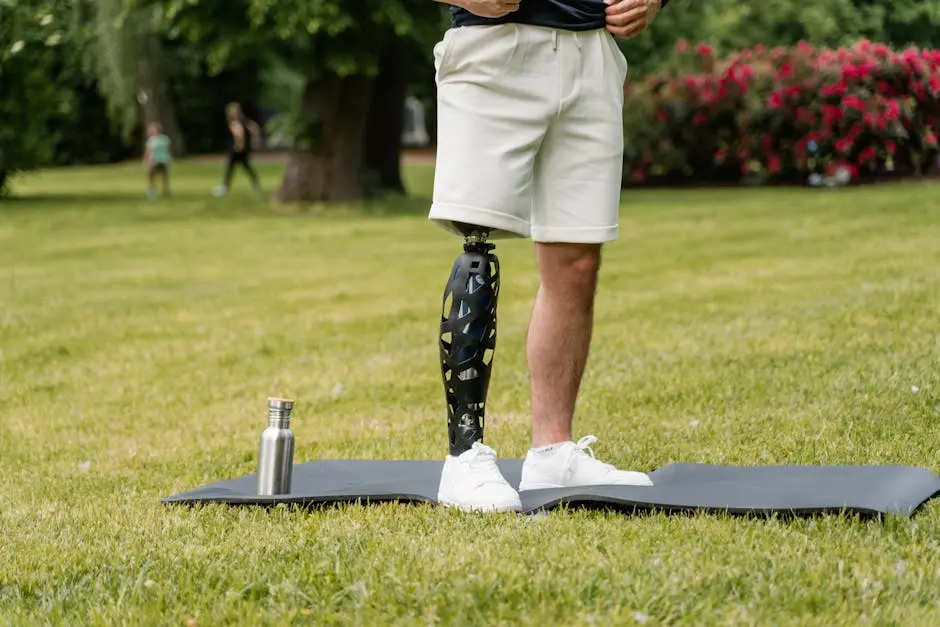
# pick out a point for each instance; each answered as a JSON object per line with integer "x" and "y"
{"x": 569, "y": 235}
{"x": 503, "y": 224}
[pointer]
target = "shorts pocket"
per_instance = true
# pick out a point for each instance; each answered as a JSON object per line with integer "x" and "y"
{"x": 491, "y": 50}
{"x": 442, "y": 51}
{"x": 619, "y": 58}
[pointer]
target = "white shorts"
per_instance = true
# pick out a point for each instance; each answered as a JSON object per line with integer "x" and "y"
{"x": 530, "y": 132}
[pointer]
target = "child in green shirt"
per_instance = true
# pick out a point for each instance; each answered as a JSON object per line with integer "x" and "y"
{"x": 157, "y": 159}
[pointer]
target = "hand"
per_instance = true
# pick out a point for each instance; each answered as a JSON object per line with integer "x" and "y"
{"x": 490, "y": 8}
{"x": 629, "y": 18}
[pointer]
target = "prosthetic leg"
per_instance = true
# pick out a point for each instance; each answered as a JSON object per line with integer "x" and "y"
{"x": 468, "y": 337}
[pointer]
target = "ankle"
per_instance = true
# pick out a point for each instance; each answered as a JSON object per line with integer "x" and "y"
{"x": 546, "y": 444}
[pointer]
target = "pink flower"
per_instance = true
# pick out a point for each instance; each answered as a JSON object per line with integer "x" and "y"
{"x": 854, "y": 102}
{"x": 891, "y": 147}
{"x": 775, "y": 101}
{"x": 786, "y": 71}
{"x": 700, "y": 118}
{"x": 639, "y": 176}
{"x": 844, "y": 145}
{"x": 705, "y": 50}
{"x": 682, "y": 46}
{"x": 831, "y": 114}
{"x": 894, "y": 110}
{"x": 773, "y": 164}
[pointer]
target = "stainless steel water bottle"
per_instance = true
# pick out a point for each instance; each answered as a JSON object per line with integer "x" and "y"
{"x": 276, "y": 453}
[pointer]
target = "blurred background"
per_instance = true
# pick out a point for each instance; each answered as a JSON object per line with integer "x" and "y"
{"x": 723, "y": 91}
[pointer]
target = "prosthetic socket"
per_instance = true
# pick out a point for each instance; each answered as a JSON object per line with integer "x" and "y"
{"x": 468, "y": 338}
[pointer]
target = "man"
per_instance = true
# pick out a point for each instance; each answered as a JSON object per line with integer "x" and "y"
{"x": 246, "y": 138}
{"x": 530, "y": 144}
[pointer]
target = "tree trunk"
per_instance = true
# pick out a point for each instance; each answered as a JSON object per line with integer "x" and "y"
{"x": 3, "y": 179}
{"x": 157, "y": 104}
{"x": 327, "y": 166}
{"x": 386, "y": 118}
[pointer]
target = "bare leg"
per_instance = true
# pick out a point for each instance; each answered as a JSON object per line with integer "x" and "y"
{"x": 560, "y": 336}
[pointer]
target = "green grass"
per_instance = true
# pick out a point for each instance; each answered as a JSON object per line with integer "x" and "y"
{"x": 740, "y": 327}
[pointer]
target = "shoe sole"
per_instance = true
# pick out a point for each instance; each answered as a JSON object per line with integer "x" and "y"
{"x": 525, "y": 487}
{"x": 496, "y": 508}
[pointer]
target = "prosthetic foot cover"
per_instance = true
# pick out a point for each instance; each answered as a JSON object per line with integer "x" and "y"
{"x": 792, "y": 490}
{"x": 468, "y": 341}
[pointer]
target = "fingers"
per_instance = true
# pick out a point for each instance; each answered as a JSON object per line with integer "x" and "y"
{"x": 629, "y": 31}
{"x": 504, "y": 7}
{"x": 623, "y": 6}
{"x": 629, "y": 16}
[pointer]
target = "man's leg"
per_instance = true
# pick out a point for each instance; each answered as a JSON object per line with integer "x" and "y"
{"x": 560, "y": 336}
{"x": 577, "y": 190}
{"x": 492, "y": 115}
{"x": 468, "y": 339}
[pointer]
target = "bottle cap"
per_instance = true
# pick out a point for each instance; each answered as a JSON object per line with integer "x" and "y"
{"x": 280, "y": 403}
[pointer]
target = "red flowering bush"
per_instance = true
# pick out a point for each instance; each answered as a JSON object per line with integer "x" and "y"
{"x": 781, "y": 115}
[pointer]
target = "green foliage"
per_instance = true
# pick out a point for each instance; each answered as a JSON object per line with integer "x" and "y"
{"x": 330, "y": 36}
{"x": 729, "y": 25}
{"x": 32, "y": 33}
{"x": 120, "y": 44}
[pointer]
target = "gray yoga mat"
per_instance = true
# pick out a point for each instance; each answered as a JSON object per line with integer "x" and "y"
{"x": 794, "y": 490}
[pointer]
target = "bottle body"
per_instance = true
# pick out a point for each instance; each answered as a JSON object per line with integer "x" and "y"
{"x": 276, "y": 452}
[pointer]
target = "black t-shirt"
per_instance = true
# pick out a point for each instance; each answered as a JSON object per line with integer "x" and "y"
{"x": 576, "y": 15}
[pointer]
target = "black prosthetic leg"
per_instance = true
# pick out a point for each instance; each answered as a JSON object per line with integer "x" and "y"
{"x": 468, "y": 338}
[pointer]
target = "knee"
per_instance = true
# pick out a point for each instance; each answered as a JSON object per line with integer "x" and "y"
{"x": 572, "y": 266}
{"x": 586, "y": 266}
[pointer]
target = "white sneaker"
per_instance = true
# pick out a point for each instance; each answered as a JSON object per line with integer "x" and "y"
{"x": 220, "y": 191}
{"x": 472, "y": 482}
{"x": 568, "y": 465}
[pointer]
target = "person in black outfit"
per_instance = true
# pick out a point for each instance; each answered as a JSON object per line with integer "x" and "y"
{"x": 246, "y": 137}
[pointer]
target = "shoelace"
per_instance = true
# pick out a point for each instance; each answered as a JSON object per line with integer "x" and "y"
{"x": 585, "y": 444}
{"x": 483, "y": 456}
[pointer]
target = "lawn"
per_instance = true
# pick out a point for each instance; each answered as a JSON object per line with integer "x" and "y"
{"x": 139, "y": 341}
